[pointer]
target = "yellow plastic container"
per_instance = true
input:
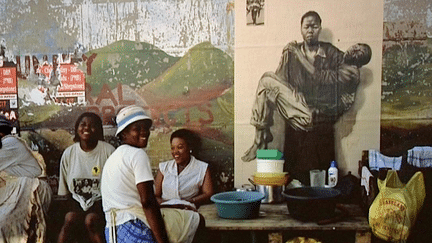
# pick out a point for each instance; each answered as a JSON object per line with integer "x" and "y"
{"x": 270, "y": 179}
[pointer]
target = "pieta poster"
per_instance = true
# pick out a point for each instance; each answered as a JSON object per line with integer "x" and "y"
{"x": 327, "y": 110}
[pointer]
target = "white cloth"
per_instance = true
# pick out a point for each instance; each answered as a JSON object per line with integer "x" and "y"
{"x": 80, "y": 172}
{"x": 420, "y": 156}
{"x": 21, "y": 200}
{"x": 124, "y": 169}
{"x": 16, "y": 158}
{"x": 365, "y": 176}
{"x": 378, "y": 160}
{"x": 185, "y": 185}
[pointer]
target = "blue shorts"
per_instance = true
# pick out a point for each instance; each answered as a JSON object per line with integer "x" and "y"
{"x": 133, "y": 231}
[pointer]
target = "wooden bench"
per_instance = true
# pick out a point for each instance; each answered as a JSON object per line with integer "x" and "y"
{"x": 274, "y": 219}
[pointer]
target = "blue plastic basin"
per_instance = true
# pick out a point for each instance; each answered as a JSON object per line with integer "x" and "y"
{"x": 238, "y": 204}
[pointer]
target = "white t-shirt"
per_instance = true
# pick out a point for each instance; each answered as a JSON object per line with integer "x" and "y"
{"x": 185, "y": 185}
{"x": 124, "y": 169}
{"x": 80, "y": 172}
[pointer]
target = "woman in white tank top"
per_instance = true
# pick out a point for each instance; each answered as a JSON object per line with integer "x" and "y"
{"x": 184, "y": 182}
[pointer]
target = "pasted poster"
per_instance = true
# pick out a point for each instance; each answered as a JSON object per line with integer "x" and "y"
{"x": 173, "y": 58}
{"x": 309, "y": 82}
{"x": 9, "y": 95}
{"x": 62, "y": 83}
{"x": 407, "y": 76}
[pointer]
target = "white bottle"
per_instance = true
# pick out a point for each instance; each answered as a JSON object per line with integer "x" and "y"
{"x": 333, "y": 174}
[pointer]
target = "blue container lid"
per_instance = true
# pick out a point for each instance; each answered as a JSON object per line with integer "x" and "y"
{"x": 333, "y": 164}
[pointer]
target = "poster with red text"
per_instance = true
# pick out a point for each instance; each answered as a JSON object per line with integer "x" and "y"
{"x": 9, "y": 95}
{"x": 66, "y": 83}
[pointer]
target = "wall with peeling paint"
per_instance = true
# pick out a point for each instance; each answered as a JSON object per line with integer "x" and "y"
{"x": 151, "y": 53}
{"x": 407, "y": 77}
{"x": 175, "y": 58}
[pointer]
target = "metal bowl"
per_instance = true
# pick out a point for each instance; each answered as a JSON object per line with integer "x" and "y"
{"x": 272, "y": 194}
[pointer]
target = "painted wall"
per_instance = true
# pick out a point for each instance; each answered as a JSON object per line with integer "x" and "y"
{"x": 407, "y": 76}
{"x": 175, "y": 58}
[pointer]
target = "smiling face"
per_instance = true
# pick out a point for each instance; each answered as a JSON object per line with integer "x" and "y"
{"x": 180, "y": 151}
{"x": 310, "y": 30}
{"x": 87, "y": 129}
{"x": 137, "y": 134}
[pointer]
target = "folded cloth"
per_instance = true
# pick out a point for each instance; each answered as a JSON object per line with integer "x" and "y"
{"x": 420, "y": 156}
{"x": 365, "y": 176}
{"x": 378, "y": 160}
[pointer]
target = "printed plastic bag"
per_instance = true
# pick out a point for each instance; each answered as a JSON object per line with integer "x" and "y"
{"x": 395, "y": 208}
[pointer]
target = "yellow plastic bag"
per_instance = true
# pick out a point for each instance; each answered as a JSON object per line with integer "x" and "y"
{"x": 395, "y": 208}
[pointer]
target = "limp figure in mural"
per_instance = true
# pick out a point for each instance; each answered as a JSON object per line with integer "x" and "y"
{"x": 314, "y": 83}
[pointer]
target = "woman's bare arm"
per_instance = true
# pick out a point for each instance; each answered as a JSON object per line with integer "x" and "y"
{"x": 152, "y": 211}
{"x": 206, "y": 191}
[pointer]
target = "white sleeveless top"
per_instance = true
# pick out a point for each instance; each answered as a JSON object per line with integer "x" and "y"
{"x": 185, "y": 185}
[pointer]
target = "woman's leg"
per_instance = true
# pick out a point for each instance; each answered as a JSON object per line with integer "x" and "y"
{"x": 201, "y": 233}
{"x": 95, "y": 226}
{"x": 95, "y": 222}
{"x": 70, "y": 227}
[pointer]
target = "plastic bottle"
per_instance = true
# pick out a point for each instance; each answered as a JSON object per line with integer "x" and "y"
{"x": 333, "y": 174}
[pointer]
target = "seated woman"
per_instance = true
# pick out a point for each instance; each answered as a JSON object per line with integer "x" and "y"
{"x": 80, "y": 172}
{"x": 131, "y": 209}
{"x": 24, "y": 197}
{"x": 183, "y": 182}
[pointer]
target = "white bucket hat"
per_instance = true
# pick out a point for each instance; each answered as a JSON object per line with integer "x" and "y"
{"x": 128, "y": 115}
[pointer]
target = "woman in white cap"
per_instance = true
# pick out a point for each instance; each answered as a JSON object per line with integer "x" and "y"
{"x": 131, "y": 209}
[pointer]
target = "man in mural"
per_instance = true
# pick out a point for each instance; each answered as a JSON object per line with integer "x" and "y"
{"x": 313, "y": 86}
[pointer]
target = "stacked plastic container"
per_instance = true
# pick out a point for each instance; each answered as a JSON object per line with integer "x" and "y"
{"x": 270, "y": 165}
